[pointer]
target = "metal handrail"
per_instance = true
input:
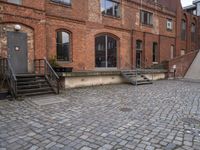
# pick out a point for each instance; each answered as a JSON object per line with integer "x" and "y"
{"x": 48, "y": 64}
{"x": 8, "y": 73}
{"x": 42, "y": 66}
{"x": 11, "y": 70}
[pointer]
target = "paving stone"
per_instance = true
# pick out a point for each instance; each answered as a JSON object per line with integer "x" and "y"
{"x": 170, "y": 146}
{"x": 90, "y": 118}
{"x": 86, "y": 148}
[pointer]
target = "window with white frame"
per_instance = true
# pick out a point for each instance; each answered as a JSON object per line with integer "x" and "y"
{"x": 169, "y": 24}
{"x": 19, "y": 2}
{"x": 110, "y": 7}
{"x": 146, "y": 18}
{"x": 65, "y": 2}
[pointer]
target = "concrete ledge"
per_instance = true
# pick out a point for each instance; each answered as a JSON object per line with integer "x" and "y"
{"x": 93, "y": 78}
{"x": 90, "y": 73}
{"x": 108, "y": 73}
{"x": 84, "y": 81}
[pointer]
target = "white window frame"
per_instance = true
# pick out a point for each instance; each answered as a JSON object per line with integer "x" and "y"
{"x": 169, "y": 24}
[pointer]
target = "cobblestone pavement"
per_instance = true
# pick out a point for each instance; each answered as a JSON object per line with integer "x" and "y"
{"x": 165, "y": 115}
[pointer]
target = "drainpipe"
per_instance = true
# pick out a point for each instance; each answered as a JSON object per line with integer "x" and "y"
{"x": 132, "y": 50}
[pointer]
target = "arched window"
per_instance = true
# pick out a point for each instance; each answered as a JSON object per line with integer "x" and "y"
{"x": 105, "y": 51}
{"x": 183, "y": 30}
{"x": 63, "y": 42}
{"x": 193, "y": 30}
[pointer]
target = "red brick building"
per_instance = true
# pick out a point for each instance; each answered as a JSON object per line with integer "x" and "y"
{"x": 96, "y": 34}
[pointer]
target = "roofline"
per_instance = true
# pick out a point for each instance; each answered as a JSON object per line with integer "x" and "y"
{"x": 189, "y": 7}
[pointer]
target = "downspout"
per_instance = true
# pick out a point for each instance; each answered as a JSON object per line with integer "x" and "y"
{"x": 132, "y": 50}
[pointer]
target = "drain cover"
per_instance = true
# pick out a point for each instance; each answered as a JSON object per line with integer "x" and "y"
{"x": 125, "y": 109}
{"x": 191, "y": 121}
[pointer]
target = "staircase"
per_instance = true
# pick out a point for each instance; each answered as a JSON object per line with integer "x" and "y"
{"x": 135, "y": 77}
{"x": 194, "y": 70}
{"x": 32, "y": 84}
{"x": 43, "y": 81}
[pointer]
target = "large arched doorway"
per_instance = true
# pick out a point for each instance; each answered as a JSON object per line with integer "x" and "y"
{"x": 105, "y": 51}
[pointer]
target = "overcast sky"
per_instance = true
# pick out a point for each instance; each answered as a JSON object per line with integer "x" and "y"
{"x": 186, "y": 2}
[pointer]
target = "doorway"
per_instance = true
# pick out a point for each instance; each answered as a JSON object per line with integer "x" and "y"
{"x": 105, "y": 52}
{"x": 138, "y": 54}
{"x": 17, "y": 51}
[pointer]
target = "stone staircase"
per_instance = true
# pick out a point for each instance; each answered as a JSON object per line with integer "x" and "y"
{"x": 135, "y": 78}
{"x": 194, "y": 70}
{"x": 32, "y": 85}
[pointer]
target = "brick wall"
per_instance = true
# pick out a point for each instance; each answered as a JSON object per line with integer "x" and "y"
{"x": 182, "y": 64}
{"x": 83, "y": 19}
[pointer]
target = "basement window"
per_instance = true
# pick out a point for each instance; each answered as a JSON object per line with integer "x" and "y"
{"x": 65, "y": 2}
{"x": 19, "y": 2}
{"x": 110, "y": 8}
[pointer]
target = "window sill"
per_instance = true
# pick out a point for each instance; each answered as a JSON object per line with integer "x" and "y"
{"x": 112, "y": 17}
{"x": 155, "y": 63}
{"x": 61, "y": 4}
{"x": 63, "y": 62}
{"x": 170, "y": 30}
{"x": 147, "y": 25}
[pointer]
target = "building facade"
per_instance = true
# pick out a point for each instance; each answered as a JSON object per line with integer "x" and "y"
{"x": 96, "y": 34}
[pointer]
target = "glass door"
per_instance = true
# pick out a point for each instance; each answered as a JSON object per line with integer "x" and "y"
{"x": 105, "y": 52}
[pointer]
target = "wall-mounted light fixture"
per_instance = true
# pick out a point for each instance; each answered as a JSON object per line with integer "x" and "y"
{"x": 17, "y": 27}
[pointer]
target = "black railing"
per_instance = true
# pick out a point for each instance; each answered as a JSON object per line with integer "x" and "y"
{"x": 43, "y": 67}
{"x": 6, "y": 72}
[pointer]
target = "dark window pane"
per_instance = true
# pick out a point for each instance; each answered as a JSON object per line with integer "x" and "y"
{"x": 183, "y": 30}
{"x": 138, "y": 45}
{"x": 193, "y": 30}
{"x": 111, "y": 52}
{"x": 100, "y": 51}
{"x": 109, "y": 8}
{"x": 146, "y": 17}
{"x": 155, "y": 52}
{"x": 105, "y": 51}
{"x": 63, "y": 46}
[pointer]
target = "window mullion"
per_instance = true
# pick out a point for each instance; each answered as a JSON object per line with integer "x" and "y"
{"x": 106, "y": 53}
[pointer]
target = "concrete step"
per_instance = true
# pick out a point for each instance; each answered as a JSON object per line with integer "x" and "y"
{"x": 32, "y": 84}
{"x": 135, "y": 79}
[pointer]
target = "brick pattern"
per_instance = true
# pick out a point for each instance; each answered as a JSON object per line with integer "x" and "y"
{"x": 182, "y": 64}
{"x": 83, "y": 19}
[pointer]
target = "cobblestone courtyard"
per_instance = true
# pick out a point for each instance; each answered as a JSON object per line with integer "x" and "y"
{"x": 165, "y": 115}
